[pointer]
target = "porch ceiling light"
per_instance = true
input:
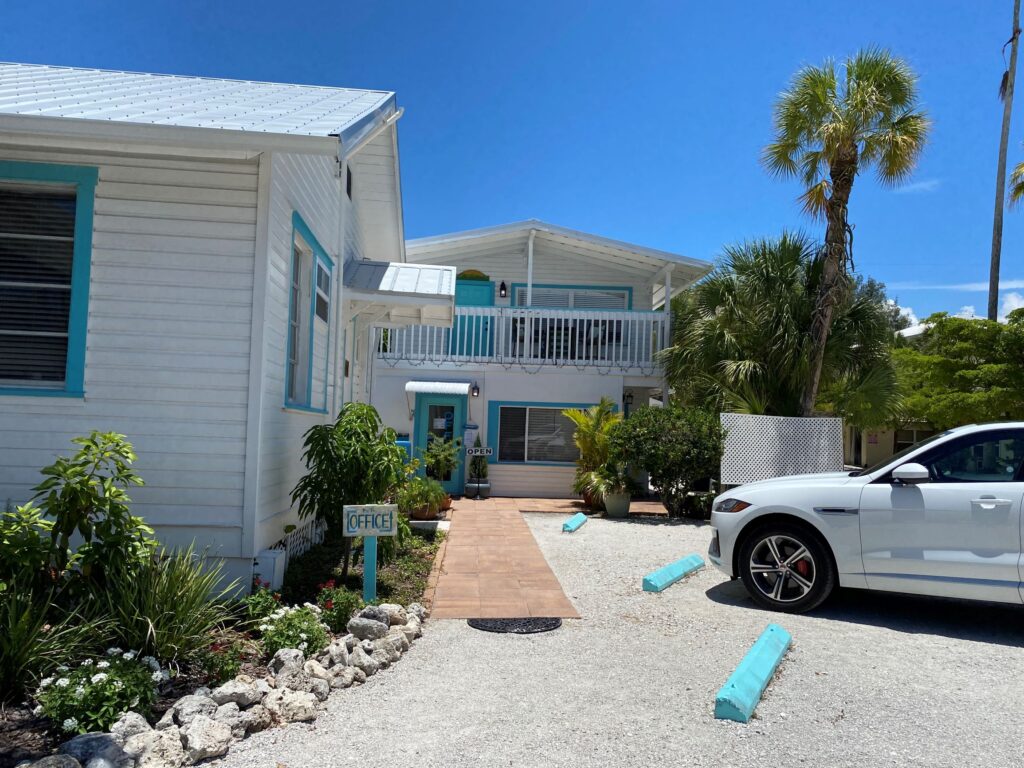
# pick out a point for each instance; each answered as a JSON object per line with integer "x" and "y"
{"x": 475, "y": 391}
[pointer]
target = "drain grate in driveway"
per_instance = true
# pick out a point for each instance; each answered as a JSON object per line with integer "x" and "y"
{"x": 525, "y": 626}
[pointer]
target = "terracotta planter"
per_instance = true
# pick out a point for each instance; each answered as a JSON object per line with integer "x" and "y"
{"x": 422, "y": 513}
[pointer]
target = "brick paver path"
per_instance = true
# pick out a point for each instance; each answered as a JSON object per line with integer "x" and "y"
{"x": 493, "y": 568}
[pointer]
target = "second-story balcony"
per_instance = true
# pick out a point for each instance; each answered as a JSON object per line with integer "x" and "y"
{"x": 608, "y": 340}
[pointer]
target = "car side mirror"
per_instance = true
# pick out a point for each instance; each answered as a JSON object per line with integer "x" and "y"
{"x": 910, "y": 474}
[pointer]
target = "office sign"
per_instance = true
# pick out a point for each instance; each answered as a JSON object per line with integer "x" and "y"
{"x": 371, "y": 519}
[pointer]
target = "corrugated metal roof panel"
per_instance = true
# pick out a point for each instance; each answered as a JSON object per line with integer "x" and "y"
{"x": 429, "y": 280}
{"x": 194, "y": 102}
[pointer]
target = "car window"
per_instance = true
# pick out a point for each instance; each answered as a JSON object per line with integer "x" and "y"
{"x": 993, "y": 457}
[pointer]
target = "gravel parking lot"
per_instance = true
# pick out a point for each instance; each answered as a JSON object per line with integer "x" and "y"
{"x": 872, "y": 680}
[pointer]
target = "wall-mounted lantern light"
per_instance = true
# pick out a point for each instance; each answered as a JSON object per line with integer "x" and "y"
{"x": 475, "y": 390}
{"x": 502, "y": 290}
{"x": 627, "y": 400}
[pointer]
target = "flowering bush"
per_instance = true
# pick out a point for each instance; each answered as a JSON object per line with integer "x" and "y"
{"x": 337, "y": 605}
{"x": 294, "y": 627}
{"x": 262, "y": 602}
{"x": 93, "y": 695}
{"x": 222, "y": 660}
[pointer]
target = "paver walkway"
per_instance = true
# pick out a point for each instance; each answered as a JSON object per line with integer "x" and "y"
{"x": 493, "y": 568}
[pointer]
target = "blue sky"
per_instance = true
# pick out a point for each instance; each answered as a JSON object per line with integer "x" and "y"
{"x": 640, "y": 120}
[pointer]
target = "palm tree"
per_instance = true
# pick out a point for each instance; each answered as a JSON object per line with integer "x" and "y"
{"x": 1006, "y": 95}
{"x": 741, "y": 337}
{"x": 828, "y": 127}
{"x": 593, "y": 425}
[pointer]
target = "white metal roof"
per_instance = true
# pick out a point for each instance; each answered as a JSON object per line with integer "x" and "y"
{"x": 135, "y": 98}
{"x": 399, "y": 293}
{"x": 627, "y": 256}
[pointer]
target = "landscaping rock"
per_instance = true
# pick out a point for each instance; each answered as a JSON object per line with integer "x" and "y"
{"x": 130, "y": 724}
{"x": 338, "y": 653}
{"x": 287, "y": 668}
{"x": 351, "y": 641}
{"x": 316, "y": 670}
{"x": 264, "y": 687}
{"x": 291, "y": 706}
{"x": 417, "y": 610}
{"x": 204, "y": 737}
{"x": 100, "y": 749}
{"x": 166, "y": 721}
{"x": 320, "y": 688}
{"x": 241, "y": 692}
{"x": 397, "y": 615}
{"x": 359, "y": 677}
{"x": 374, "y": 613}
{"x": 187, "y": 708}
{"x": 345, "y": 677}
{"x": 231, "y": 714}
{"x": 387, "y": 645}
{"x": 255, "y": 718}
{"x": 368, "y": 629}
{"x": 398, "y": 639}
{"x": 156, "y": 749}
{"x": 383, "y": 658}
{"x": 410, "y": 631}
{"x": 53, "y": 761}
{"x": 361, "y": 660}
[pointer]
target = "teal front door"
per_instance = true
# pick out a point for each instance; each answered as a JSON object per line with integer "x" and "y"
{"x": 472, "y": 336}
{"x": 442, "y": 417}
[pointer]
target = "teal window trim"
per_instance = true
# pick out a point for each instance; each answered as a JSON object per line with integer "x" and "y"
{"x": 493, "y": 421}
{"x": 626, "y": 288}
{"x": 320, "y": 256}
{"x": 84, "y": 179}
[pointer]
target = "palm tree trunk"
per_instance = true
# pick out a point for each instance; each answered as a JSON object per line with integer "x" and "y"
{"x": 833, "y": 269}
{"x": 997, "y": 217}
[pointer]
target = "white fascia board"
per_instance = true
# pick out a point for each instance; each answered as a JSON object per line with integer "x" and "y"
{"x": 172, "y": 135}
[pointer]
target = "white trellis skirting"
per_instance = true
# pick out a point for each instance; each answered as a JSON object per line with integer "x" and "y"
{"x": 762, "y": 447}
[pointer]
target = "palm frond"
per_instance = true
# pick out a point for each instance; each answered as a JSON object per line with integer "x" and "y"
{"x": 815, "y": 199}
{"x": 1017, "y": 184}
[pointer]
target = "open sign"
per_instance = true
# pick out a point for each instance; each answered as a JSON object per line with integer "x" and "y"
{"x": 481, "y": 451}
{"x": 371, "y": 519}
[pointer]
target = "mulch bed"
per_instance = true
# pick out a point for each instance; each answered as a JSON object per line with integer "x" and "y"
{"x": 24, "y": 736}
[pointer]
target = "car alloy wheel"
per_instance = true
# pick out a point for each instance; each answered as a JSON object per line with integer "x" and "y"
{"x": 782, "y": 568}
{"x": 786, "y": 567}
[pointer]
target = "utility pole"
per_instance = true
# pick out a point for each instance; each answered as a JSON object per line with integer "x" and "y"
{"x": 1006, "y": 94}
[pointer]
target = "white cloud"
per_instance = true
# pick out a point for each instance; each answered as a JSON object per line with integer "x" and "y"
{"x": 1003, "y": 285}
{"x": 1011, "y": 301}
{"x": 967, "y": 311}
{"x": 907, "y": 312}
{"x": 919, "y": 187}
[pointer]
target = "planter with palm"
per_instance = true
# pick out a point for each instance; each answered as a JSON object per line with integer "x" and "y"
{"x": 829, "y": 126}
{"x": 591, "y": 437}
{"x": 441, "y": 459}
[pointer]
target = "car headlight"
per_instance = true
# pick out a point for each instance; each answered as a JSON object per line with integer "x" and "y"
{"x": 731, "y": 505}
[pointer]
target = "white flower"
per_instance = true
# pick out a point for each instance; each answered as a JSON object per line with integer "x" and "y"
{"x": 102, "y": 664}
{"x": 264, "y": 627}
{"x": 164, "y": 675}
{"x": 302, "y": 646}
{"x": 37, "y": 710}
{"x": 156, "y": 677}
{"x": 87, "y": 663}
{"x": 63, "y": 668}
{"x": 63, "y": 682}
{"x": 150, "y": 662}
{"x": 134, "y": 703}
{"x": 118, "y": 684}
{"x": 129, "y": 655}
{"x": 79, "y": 692}
{"x": 46, "y": 682}
{"x": 303, "y": 636}
{"x": 70, "y": 724}
{"x": 114, "y": 651}
{"x": 99, "y": 677}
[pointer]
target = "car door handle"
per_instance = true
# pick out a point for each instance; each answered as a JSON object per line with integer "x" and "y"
{"x": 990, "y": 502}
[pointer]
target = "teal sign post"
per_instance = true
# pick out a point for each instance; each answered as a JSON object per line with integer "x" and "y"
{"x": 370, "y": 521}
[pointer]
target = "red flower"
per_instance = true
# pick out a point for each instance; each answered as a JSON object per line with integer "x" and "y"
{"x": 277, "y": 597}
{"x": 329, "y": 605}
{"x": 329, "y": 584}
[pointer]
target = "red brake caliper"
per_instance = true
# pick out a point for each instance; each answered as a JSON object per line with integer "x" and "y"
{"x": 803, "y": 568}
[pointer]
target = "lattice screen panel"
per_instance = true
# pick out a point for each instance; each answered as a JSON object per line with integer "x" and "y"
{"x": 762, "y": 447}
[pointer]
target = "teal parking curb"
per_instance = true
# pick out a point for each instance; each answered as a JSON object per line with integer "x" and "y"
{"x": 739, "y": 696}
{"x": 574, "y": 522}
{"x": 671, "y": 573}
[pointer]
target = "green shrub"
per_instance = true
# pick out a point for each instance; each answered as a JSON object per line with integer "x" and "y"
{"x": 294, "y": 627}
{"x": 261, "y": 602}
{"x": 678, "y": 447}
{"x": 221, "y": 660}
{"x": 35, "y": 637}
{"x": 441, "y": 456}
{"x": 420, "y": 493}
{"x": 478, "y": 466}
{"x": 87, "y": 494}
{"x": 337, "y": 604}
{"x": 24, "y": 543}
{"x": 168, "y": 605}
{"x": 93, "y": 695}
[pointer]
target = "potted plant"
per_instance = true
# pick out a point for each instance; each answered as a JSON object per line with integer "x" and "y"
{"x": 441, "y": 458}
{"x": 612, "y": 486}
{"x": 478, "y": 487}
{"x": 420, "y": 498}
{"x": 593, "y": 425}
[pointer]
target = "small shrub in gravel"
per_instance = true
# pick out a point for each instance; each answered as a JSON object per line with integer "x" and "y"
{"x": 222, "y": 660}
{"x": 95, "y": 693}
{"x": 262, "y": 602}
{"x": 294, "y": 627}
{"x": 337, "y": 605}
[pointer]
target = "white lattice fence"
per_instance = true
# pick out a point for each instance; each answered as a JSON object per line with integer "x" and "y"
{"x": 762, "y": 447}
{"x": 302, "y": 539}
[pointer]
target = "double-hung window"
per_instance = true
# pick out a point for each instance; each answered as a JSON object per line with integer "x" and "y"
{"x": 45, "y": 248}
{"x": 309, "y": 316}
{"x": 536, "y": 434}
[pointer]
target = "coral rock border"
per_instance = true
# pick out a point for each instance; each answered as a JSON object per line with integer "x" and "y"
{"x": 204, "y": 724}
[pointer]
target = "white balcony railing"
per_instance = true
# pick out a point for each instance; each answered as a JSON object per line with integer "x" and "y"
{"x": 510, "y": 335}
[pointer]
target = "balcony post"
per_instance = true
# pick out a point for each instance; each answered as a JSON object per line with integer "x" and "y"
{"x": 529, "y": 271}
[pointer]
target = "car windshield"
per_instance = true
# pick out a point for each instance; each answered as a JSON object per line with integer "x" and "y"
{"x": 898, "y": 455}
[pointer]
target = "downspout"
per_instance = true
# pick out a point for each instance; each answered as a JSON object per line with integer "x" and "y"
{"x": 668, "y": 327}
{"x": 341, "y": 337}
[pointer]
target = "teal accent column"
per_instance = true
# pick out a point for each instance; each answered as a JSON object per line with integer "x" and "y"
{"x": 369, "y": 569}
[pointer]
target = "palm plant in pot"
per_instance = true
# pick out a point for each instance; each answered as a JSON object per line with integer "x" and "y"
{"x": 612, "y": 486}
{"x": 478, "y": 486}
{"x": 593, "y": 426}
{"x": 441, "y": 458}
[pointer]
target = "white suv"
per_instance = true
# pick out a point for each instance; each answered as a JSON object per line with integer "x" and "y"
{"x": 942, "y": 517}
